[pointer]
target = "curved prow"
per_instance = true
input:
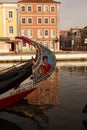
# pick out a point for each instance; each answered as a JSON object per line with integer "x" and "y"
{"x": 16, "y": 83}
{"x": 45, "y": 60}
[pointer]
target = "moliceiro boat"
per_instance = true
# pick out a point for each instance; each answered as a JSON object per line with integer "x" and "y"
{"x": 18, "y": 81}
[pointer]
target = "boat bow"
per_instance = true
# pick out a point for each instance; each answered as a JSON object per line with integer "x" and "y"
{"x": 39, "y": 68}
{"x": 44, "y": 63}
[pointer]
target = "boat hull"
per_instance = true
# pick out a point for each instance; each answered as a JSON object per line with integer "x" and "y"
{"x": 5, "y": 102}
{"x": 15, "y": 95}
{"x": 16, "y": 77}
{"x": 10, "y": 89}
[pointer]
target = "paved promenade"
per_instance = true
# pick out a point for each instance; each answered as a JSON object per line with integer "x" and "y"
{"x": 60, "y": 56}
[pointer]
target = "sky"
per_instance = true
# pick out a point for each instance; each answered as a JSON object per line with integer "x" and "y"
{"x": 8, "y": 0}
{"x": 72, "y": 14}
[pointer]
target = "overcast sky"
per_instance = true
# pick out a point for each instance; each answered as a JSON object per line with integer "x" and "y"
{"x": 8, "y": 0}
{"x": 73, "y": 13}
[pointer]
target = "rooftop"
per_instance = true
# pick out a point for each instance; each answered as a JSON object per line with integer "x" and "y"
{"x": 63, "y": 31}
{"x": 38, "y": 1}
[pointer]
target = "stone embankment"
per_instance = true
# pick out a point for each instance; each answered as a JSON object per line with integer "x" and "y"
{"x": 60, "y": 56}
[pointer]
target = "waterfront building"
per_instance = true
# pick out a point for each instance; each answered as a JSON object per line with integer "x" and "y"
{"x": 80, "y": 39}
{"x": 64, "y": 40}
{"x": 8, "y": 26}
{"x": 39, "y": 21}
{"x": 74, "y": 39}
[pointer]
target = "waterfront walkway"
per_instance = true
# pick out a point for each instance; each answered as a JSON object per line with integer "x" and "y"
{"x": 60, "y": 56}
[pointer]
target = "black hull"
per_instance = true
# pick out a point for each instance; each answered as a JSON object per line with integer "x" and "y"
{"x": 10, "y": 72}
{"x": 14, "y": 77}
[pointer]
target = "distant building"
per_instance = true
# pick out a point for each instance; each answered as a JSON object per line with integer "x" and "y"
{"x": 80, "y": 39}
{"x": 8, "y": 25}
{"x": 64, "y": 40}
{"x": 74, "y": 39}
{"x": 39, "y": 21}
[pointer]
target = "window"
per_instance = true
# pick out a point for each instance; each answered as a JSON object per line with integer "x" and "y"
{"x": 39, "y": 20}
{"x": 23, "y": 8}
{"x": 46, "y": 9}
{"x": 23, "y": 32}
{"x": 24, "y": 44}
{"x": 30, "y": 33}
{"x": 23, "y": 20}
{"x": 30, "y": 20}
{"x": 46, "y": 32}
{"x": 11, "y": 30}
{"x": 52, "y": 33}
{"x": 39, "y": 32}
{"x": 10, "y": 14}
{"x": 39, "y": 8}
{"x": 29, "y": 8}
{"x": 52, "y": 9}
{"x": 46, "y": 43}
{"x": 52, "y": 21}
{"x": 46, "y": 20}
{"x": 52, "y": 45}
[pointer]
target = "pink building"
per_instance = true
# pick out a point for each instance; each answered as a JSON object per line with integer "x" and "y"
{"x": 39, "y": 20}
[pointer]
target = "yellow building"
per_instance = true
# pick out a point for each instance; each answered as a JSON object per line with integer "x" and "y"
{"x": 8, "y": 25}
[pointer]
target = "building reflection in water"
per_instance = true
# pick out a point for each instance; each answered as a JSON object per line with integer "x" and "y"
{"x": 76, "y": 69}
{"x": 47, "y": 92}
{"x": 36, "y": 103}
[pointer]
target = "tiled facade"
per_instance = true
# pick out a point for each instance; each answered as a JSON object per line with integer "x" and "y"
{"x": 39, "y": 21}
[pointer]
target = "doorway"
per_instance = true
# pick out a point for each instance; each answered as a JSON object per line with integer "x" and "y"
{"x": 12, "y": 46}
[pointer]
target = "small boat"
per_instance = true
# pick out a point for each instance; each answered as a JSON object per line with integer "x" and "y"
{"x": 14, "y": 76}
{"x": 15, "y": 94}
{"x": 19, "y": 81}
{"x": 85, "y": 109}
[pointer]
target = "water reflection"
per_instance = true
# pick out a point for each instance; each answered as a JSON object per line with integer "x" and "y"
{"x": 42, "y": 106}
{"x": 35, "y": 113}
{"x": 5, "y": 124}
{"x": 85, "y": 109}
{"x": 36, "y": 104}
{"x": 80, "y": 70}
{"x": 47, "y": 92}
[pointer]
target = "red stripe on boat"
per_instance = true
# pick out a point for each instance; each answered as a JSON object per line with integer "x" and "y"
{"x": 5, "y": 102}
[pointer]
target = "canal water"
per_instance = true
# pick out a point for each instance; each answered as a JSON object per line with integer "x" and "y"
{"x": 65, "y": 114}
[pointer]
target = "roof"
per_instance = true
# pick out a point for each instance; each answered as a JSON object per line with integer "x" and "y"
{"x": 85, "y": 27}
{"x": 38, "y": 1}
{"x": 63, "y": 31}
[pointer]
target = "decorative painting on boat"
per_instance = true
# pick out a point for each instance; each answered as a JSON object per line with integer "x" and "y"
{"x": 45, "y": 68}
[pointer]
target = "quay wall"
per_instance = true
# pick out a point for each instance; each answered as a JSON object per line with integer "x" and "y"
{"x": 6, "y": 58}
